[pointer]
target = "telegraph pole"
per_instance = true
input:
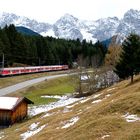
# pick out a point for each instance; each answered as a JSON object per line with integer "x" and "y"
{"x": 2, "y": 60}
{"x": 39, "y": 61}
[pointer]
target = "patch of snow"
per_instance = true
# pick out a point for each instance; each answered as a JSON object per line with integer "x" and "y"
{"x": 64, "y": 101}
{"x": 85, "y": 100}
{"x": 71, "y": 106}
{"x": 131, "y": 118}
{"x": 16, "y": 129}
{"x": 96, "y": 101}
{"x": 84, "y": 77}
{"x": 79, "y": 112}
{"x": 108, "y": 95}
{"x": 8, "y": 102}
{"x": 98, "y": 84}
{"x": 97, "y": 95}
{"x": 88, "y": 36}
{"x": 32, "y": 132}
{"x": 110, "y": 89}
{"x": 112, "y": 101}
{"x": 1, "y": 135}
{"x": 55, "y": 97}
{"x": 34, "y": 125}
{"x": 96, "y": 77}
{"x": 105, "y": 136}
{"x": 88, "y": 107}
{"x": 47, "y": 115}
{"x": 48, "y": 33}
{"x": 70, "y": 122}
{"x": 66, "y": 110}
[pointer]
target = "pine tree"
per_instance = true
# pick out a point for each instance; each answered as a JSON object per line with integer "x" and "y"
{"x": 129, "y": 62}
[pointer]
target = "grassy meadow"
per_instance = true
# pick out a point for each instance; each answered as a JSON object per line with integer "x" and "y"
{"x": 59, "y": 86}
{"x": 101, "y": 115}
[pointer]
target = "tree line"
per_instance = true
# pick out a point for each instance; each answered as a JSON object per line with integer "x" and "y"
{"x": 38, "y": 50}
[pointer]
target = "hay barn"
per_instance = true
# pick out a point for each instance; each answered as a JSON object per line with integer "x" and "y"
{"x": 12, "y": 110}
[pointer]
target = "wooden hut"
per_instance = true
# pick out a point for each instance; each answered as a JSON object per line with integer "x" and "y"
{"x": 13, "y": 109}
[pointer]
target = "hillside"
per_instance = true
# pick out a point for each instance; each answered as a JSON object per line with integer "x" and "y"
{"x": 113, "y": 114}
{"x": 26, "y": 31}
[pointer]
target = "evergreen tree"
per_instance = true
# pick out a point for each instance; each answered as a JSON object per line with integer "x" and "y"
{"x": 129, "y": 61}
{"x": 37, "y": 50}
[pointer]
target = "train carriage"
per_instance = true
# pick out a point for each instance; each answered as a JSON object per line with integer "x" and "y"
{"x": 33, "y": 69}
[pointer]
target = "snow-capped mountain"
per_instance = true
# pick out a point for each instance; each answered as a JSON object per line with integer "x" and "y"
{"x": 130, "y": 22}
{"x": 39, "y": 27}
{"x": 70, "y": 27}
{"x": 66, "y": 27}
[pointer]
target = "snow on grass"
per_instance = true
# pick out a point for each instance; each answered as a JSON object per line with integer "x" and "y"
{"x": 71, "y": 106}
{"x": 84, "y": 77}
{"x": 33, "y": 126}
{"x": 88, "y": 107}
{"x": 16, "y": 129}
{"x": 32, "y": 131}
{"x": 105, "y": 136}
{"x": 66, "y": 110}
{"x": 131, "y": 118}
{"x": 97, "y": 95}
{"x": 99, "y": 100}
{"x": 96, "y": 101}
{"x": 110, "y": 89}
{"x": 55, "y": 97}
{"x": 71, "y": 122}
{"x": 112, "y": 101}
{"x": 47, "y": 115}
{"x": 1, "y": 135}
{"x": 64, "y": 101}
{"x": 85, "y": 100}
{"x": 79, "y": 112}
{"x": 108, "y": 95}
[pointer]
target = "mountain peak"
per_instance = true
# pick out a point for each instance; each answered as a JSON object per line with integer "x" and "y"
{"x": 132, "y": 11}
{"x": 132, "y": 14}
{"x": 68, "y": 18}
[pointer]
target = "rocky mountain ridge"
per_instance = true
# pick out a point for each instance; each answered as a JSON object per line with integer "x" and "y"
{"x": 70, "y": 27}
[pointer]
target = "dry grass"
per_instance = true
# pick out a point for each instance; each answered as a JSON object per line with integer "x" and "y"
{"x": 96, "y": 120}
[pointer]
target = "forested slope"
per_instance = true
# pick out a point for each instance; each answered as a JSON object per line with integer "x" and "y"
{"x": 38, "y": 50}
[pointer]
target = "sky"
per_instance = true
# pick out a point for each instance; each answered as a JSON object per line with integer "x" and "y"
{"x": 51, "y": 10}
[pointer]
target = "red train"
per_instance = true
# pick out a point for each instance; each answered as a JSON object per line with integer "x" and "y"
{"x": 33, "y": 69}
